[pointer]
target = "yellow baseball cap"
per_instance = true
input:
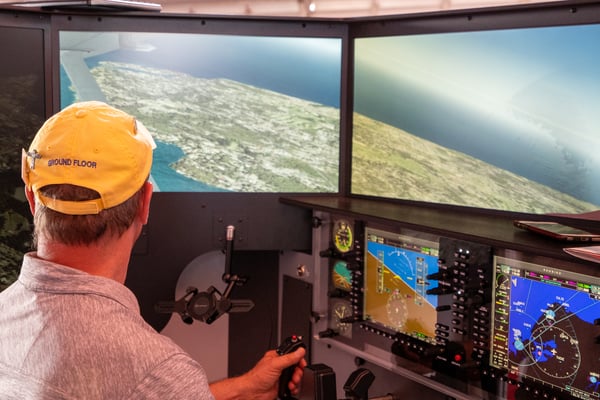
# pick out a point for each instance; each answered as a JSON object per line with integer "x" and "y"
{"x": 93, "y": 145}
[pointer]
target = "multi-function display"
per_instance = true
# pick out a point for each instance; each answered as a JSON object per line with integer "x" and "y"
{"x": 543, "y": 322}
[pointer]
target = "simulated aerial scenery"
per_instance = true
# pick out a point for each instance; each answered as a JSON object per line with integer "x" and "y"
{"x": 504, "y": 119}
{"x": 228, "y": 113}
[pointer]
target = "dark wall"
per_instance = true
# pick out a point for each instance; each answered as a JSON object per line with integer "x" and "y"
{"x": 183, "y": 226}
{"x": 252, "y": 333}
{"x": 22, "y": 111}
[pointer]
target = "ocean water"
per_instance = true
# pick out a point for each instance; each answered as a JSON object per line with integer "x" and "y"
{"x": 169, "y": 180}
{"x": 66, "y": 94}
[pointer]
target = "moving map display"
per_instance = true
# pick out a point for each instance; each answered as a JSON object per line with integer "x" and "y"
{"x": 396, "y": 267}
{"x": 543, "y": 327}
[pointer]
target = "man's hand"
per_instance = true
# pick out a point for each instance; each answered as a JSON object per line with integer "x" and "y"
{"x": 260, "y": 383}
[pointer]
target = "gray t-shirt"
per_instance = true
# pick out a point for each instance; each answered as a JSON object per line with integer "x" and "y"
{"x": 66, "y": 334}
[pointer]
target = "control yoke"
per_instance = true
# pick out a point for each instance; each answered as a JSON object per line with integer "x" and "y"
{"x": 209, "y": 305}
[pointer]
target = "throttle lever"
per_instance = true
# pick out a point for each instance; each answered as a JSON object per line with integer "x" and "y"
{"x": 289, "y": 345}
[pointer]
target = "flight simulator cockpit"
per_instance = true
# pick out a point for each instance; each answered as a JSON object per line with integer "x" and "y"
{"x": 346, "y": 185}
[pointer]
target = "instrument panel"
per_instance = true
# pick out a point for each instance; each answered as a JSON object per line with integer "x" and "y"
{"x": 472, "y": 315}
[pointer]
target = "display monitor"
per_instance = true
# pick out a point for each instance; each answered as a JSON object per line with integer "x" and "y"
{"x": 395, "y": 282}
{"x": 543, "y": 326}
{"x": 229, "y": 112}
{"x": 502, "y": 119}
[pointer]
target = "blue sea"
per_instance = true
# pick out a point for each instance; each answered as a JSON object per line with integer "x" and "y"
{"x": 167, "y": 179}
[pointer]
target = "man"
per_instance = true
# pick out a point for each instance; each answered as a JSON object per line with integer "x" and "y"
{"x": 69, "y": 328}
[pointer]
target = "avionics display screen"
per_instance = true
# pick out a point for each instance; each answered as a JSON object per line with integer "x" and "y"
{"x": 543, "y": 326}
{"x": 395, "y": 283}
{"x": 341, "y": 277}
{"x": 500, "y": 119}
{"x": 229, "y": 112}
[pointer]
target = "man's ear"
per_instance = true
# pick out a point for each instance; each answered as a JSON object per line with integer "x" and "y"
{"x": 145, "y": 199}
{"x": 30, "y": 199}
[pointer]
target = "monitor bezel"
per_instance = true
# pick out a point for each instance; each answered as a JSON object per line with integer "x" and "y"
{"x": 546, "y": 14}
{"x": 415, "y": 238}
{"x": 541, "y": 265}
{"x": 216, "y": 25}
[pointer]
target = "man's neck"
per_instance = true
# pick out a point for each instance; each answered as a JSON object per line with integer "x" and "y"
{"x": 108, "y": 258}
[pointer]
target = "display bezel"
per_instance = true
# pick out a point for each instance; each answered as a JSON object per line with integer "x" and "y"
{"x": 287, "y": 182}
{"x": 505, "y": 336}
{"x": 473, "y": 21}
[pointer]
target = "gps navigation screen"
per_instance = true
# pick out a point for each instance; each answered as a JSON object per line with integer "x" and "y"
{"x": 396, "y": 267}
{"x": 543, "y": 326}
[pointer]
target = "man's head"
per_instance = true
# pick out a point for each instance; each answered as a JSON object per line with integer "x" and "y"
{"x": 83, "y": 167}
